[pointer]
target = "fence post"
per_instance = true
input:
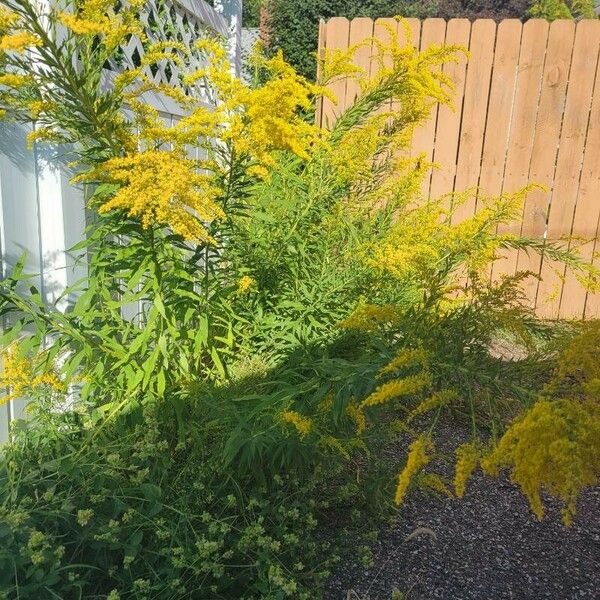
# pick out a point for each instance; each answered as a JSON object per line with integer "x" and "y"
{"x": 232, "y": 12}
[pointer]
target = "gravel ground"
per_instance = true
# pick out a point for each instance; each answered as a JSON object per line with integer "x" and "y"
{"x": 487, "y": 546}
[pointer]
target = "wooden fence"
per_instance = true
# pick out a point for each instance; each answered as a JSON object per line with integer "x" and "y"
{"x": 527, "y": 110}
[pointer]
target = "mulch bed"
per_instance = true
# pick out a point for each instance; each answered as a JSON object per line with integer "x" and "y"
{"x": 487, "y": 546}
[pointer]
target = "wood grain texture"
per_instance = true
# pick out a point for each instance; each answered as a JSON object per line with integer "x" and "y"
{"x": 569, "y": 160}
{"x": 458, "y": 32}
{"x": 474, "y": 113}
{"x": 433, "y": 32}
{"x": 545, "y": 145}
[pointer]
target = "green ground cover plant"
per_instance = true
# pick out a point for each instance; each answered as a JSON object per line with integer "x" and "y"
{"x": 209, "y": 416}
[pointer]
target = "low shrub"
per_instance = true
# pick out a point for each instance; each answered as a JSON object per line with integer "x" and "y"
{"x": 135, "y": 512}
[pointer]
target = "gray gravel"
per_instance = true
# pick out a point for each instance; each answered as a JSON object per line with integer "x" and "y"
{"x": 487, "y": 546}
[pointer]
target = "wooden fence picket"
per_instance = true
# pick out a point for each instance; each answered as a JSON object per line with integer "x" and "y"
{"x": 570, "y": 157}
{"x": 522, "y": 130}
{"x": 433, "y": 32}
{"x": 474, "y": 112}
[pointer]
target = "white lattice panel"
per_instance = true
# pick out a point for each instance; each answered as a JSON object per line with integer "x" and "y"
{"x": 181, "y": 21}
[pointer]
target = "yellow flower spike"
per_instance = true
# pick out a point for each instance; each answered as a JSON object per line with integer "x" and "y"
{"x": 259, "y": 171}
{"x": 81, "y": 26}
{"x": 326, "y": 404}
{"x": 555, "y": 446}
{"x": 302, "y": 424}
{"x": 37, "y": 107}
{"x": 8, "y": 19}
{"x": 17, "y": 375}
{"x": 105, "y": 18}
{"x": 127, "y": 77}
{"x": 245, "y": 284}
{"x": 358, "y": 416}
{"x": 211, "y": 47}
{"x": 50, "y": 380}
{"x": 436, "y": 400}
{"x": 419, "y": 455}
{"x": 398, "y": 388}
{"x": 338, "y": 63}
{"x": 407, "y": 357}
{"x": 165, "y": 50}
{"x": 43, "y": 134}
{"x": 14, "y": 80}
{"x": 19, "y": 42}
{"x": 467, "y": 459}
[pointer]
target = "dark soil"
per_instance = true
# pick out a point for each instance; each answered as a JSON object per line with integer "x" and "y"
{"x": 487, "y": 546}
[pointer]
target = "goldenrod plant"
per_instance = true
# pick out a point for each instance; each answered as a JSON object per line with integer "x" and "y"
{"x": 554, "y": 446}
{"x": 296, "y": 305}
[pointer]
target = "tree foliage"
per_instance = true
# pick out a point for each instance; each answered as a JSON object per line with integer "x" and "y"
{"x": 294, "y": 25}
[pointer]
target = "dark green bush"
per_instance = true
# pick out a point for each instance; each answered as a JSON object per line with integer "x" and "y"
{"x": 294, "y": 25}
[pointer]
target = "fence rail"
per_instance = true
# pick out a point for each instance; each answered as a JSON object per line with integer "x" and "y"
{"x": 527, "y": 109}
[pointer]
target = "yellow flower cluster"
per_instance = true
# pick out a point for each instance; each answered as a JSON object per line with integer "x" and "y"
{"x": 577, "y": 374}
{"x": 467, "y": 459}
{"x": 413, "y": 244}
{"x": 327, "y": 403}
{"x": 556, "y": 446}
{"x": 257, "y": 122}
{"x": 397, "y": 388}
{"x": 248, "y": 125}
{"x": 8, "y": 18}
{"x": 355, "y": 412}
{"x": 353, "y": 158}
{"x": 14, "y": 80}
{"x": 245, "y": 283}
{"x": 18, "y": 41}
{"x": 419, "y": 242}
{"x": 162, "y": 187}
{"x": 338, "y": 63}
{"x": 436, "y": 400}
{"x": 43, "y": 134}
{"x": 19, "y": 378}
{"x": 106, "y": 19}
{"x": 302, "y": 424}
{"x": 419, "y": 455}
{"x": 407, "y": 357}
{"x": 369, "y": 317}
{"x": 415, "y": 74}
{"x": 37, "y": 107}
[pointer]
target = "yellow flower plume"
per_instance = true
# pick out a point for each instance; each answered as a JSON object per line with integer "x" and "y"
{"x": 302, "y": 424}
{"x": 418, "y": 457}
{"x": 162, "y": 187}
